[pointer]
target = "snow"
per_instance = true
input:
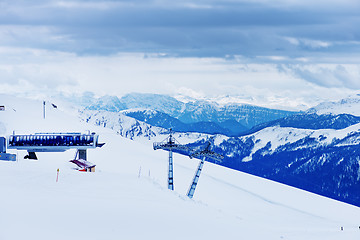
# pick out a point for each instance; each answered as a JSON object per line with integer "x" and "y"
{"x": 220, "y": 139}
{"x": 279, "y": 136}
{"x": 350, "y": 105}
{"x": 135, "y": 110}
{"x": 127, "y": 196}
{"x": 136, "y": 130}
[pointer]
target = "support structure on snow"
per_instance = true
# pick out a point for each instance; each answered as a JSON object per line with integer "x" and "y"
{"x": 206, "y": 153}
{"x": 169, "y": 144}
{"x": 54, "y": 142}
{"x": 3, "y": 155}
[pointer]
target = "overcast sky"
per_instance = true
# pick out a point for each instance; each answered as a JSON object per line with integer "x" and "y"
{"x": 276, "y": 52}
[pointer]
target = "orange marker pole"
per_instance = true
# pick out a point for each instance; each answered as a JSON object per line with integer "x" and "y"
{"x": 57, "y": 175}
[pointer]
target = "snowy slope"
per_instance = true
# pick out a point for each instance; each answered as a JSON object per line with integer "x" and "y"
{"x": 134, "y": 129}
{"x": 127, "y": 196}
{"x": 309, "y": 121}
{"x": 280, "y": 136}
{"x": 324, "y": 161}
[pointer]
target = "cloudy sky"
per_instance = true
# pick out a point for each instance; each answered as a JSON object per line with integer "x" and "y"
{"x": 289, "y": 53}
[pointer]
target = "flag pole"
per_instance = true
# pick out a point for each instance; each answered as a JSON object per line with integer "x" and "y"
{"x": 57, "y": 175}
{"x": 44, "y": 108}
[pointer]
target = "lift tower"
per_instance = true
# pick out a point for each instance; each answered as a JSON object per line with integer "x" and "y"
{"x": 206, "y": 153}
{"x": 169, "y": 144}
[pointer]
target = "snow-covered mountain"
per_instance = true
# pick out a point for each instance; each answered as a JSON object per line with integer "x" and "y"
{"x": 231, "y": 119}
{"x": 127, "y": 196}
{"x": 350, "y": 105}
{"x": 325, "y": 161}
{"x": 163, "y": 120}
{"x": 157, "y": 102}
{"x": 246, "y": 115}
{"x": 134, "y": 129}
{"x": 108, "y": 103}
{"x": 313, "y": 151}
{"x": 310, "y": 120}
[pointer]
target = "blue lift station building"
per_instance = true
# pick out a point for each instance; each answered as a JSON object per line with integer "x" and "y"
{"x": 54, "y": 142}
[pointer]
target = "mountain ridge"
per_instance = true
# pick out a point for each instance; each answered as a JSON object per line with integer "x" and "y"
{"x": 233, "y": 118}
{"x": 283, "y": 149}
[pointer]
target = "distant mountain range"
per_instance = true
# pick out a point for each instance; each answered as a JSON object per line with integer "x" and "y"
{"x": 133, "y": 129}
{"x": 197, "y": 116}
{"x": 317, "y": 150}
{"x": 164, "y": 120}
{"x": 349, "y": 105}
{"x": 326, "y": 162}
{"x": 309, "y": 120}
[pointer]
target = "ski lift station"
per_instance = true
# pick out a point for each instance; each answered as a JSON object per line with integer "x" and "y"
{"x": 3, "y": 155}
{"x": 54, "y": 142}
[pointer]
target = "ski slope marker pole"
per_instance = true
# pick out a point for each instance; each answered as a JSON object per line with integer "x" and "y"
{"x": 57, "y": 175}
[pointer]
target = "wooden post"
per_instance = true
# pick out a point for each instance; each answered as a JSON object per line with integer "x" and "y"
{"x": 57, "y": 175}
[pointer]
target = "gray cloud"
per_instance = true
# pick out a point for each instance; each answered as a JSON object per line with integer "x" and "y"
{"x": 48, "y": 72}
{"x": 207, "y": 47}
{"x": 189, "y": 28}
{"x": 329, "y": 76}
{"x": 24, "y": 69}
